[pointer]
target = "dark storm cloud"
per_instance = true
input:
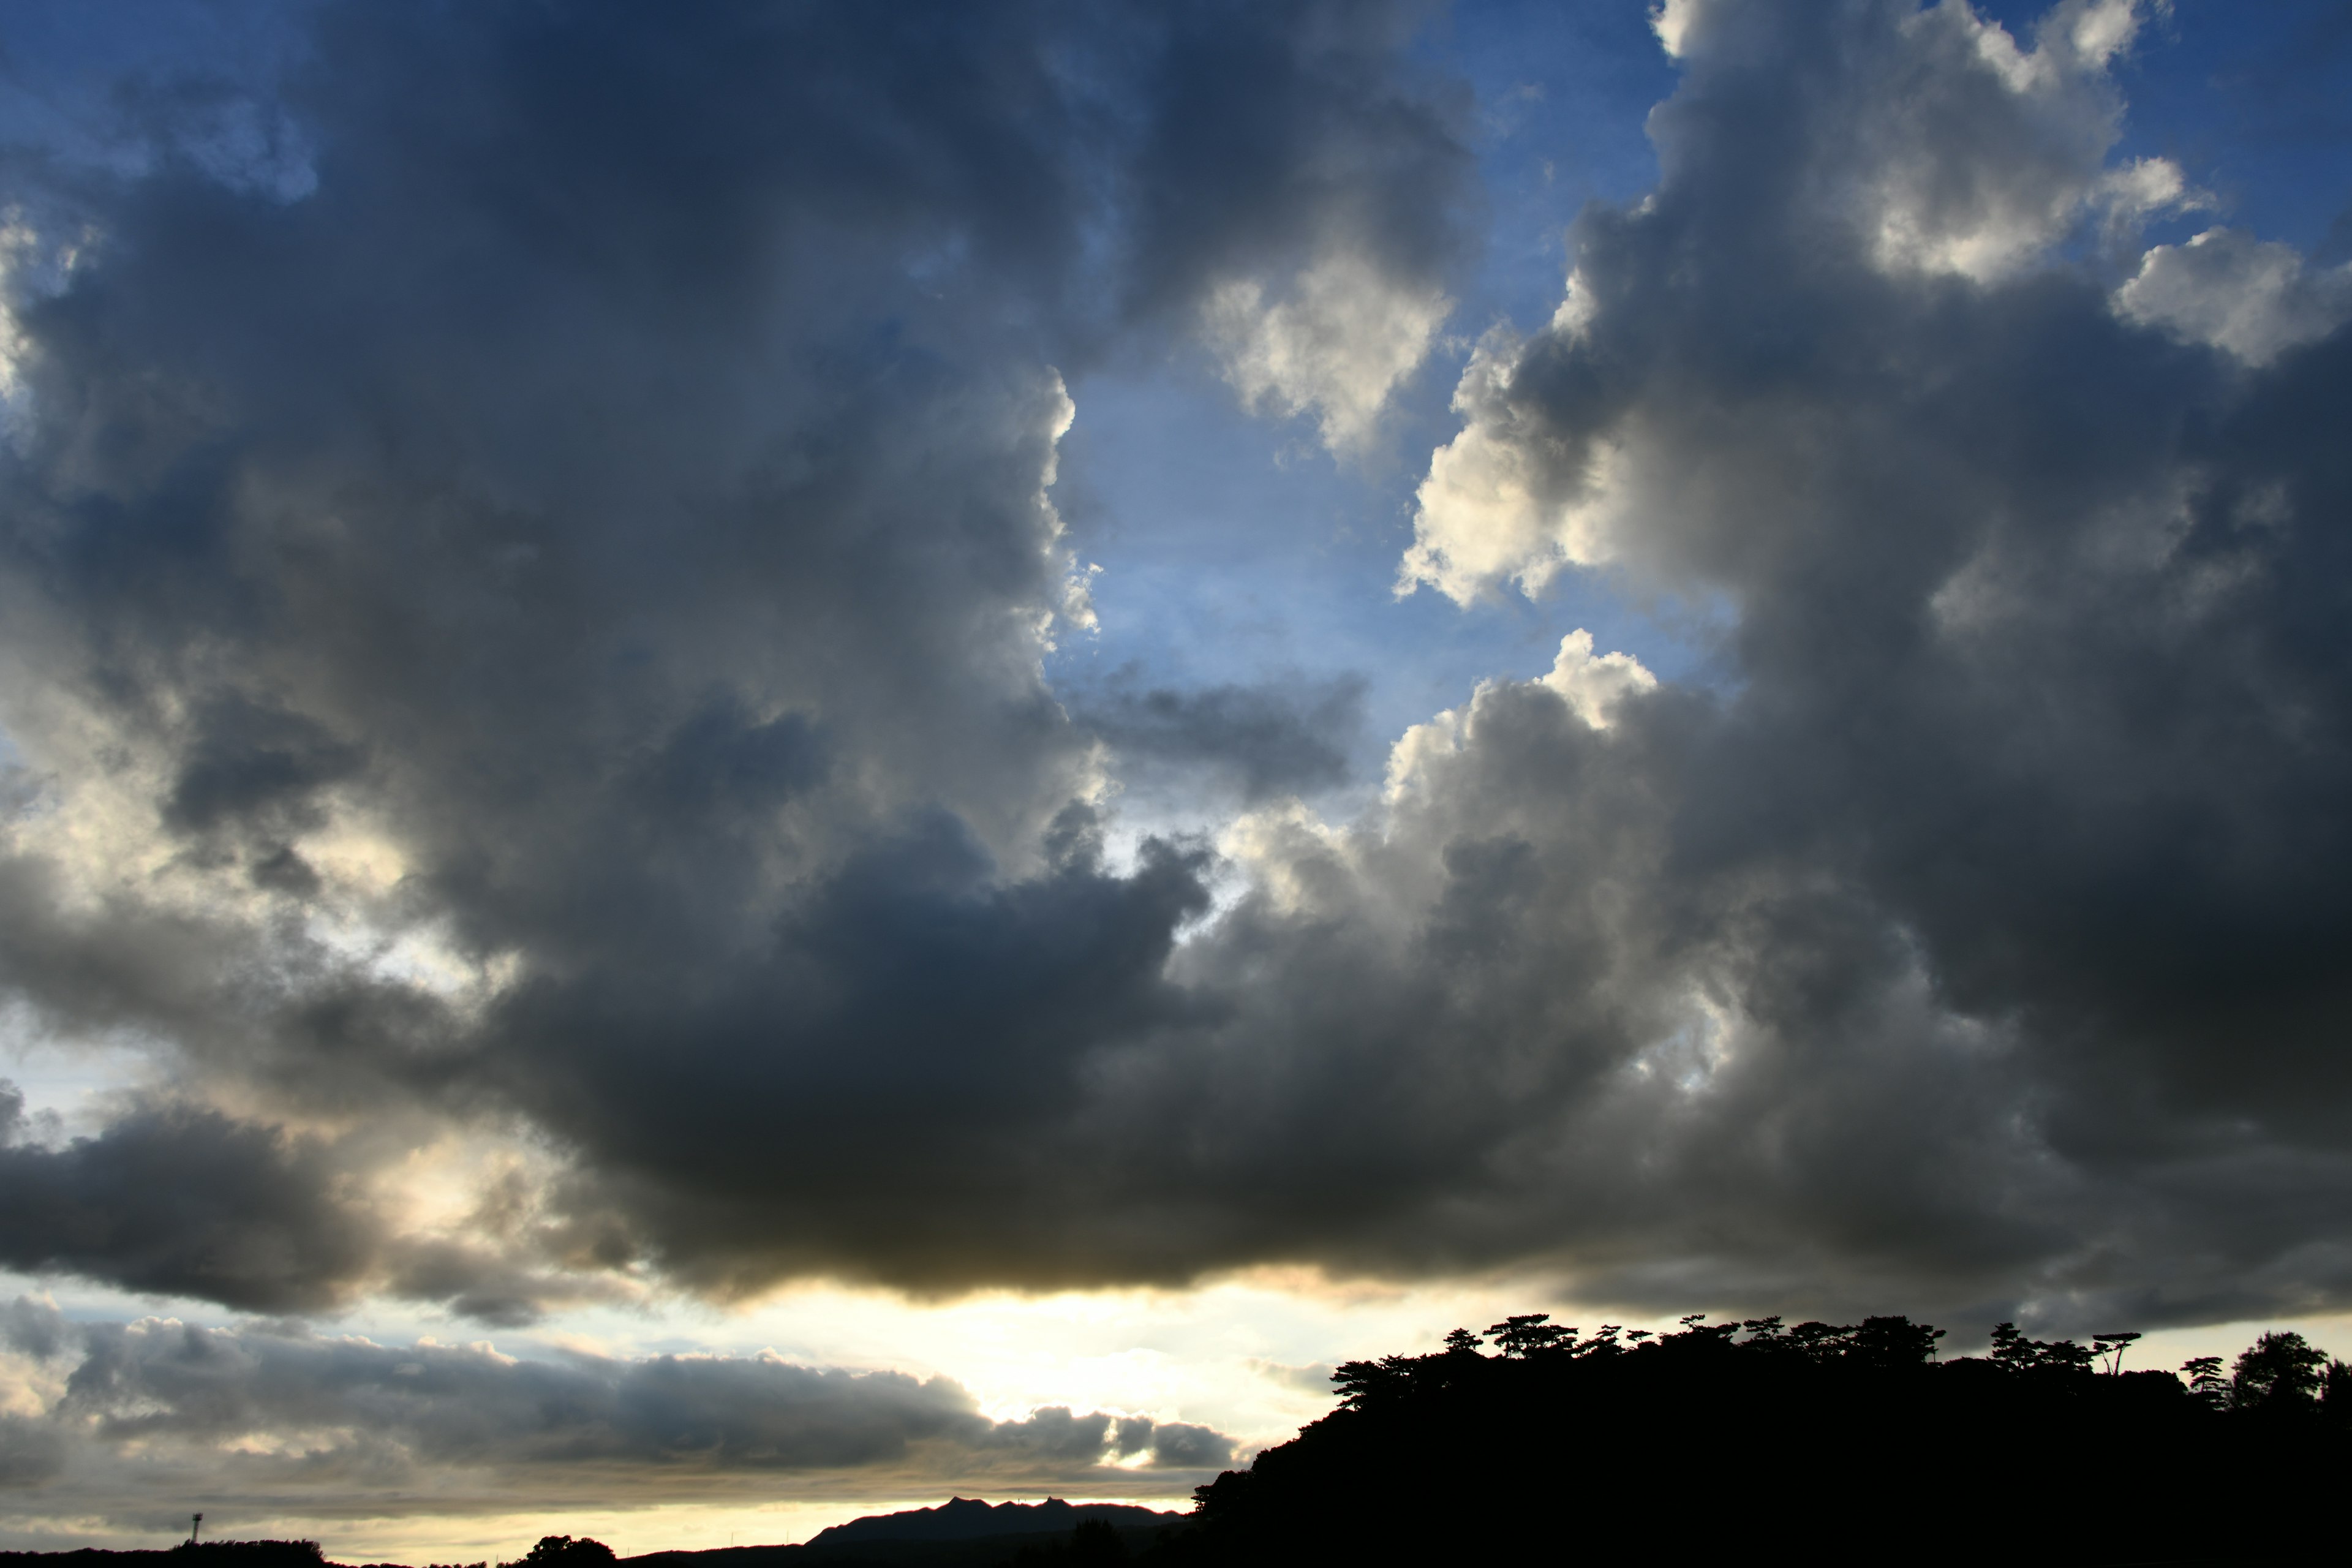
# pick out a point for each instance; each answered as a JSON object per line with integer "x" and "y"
{"x": 1975, "y": 946}
{"x": 529, "y": 591}
{"x": 181, "y": 1203}
{"x": 1275, "y": 128}
{"x": 1267, "y": 739}
{"x": 246, "y": 761}
{"x": 594, "y": 543}
{"x": 174, "y": 1199}
{"x": 879, "y": 1091}
{"x": 477, "y": 1431}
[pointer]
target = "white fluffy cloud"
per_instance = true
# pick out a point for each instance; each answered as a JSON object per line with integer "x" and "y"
{"x": 1506, "y": 502}
{"x": 2254, "y": 298}
{"x": 1336, "y": 343}
{"x": 1931, "y": 140}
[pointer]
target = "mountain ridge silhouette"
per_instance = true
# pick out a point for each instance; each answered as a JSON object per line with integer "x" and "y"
{"x": 970, "y": 1518}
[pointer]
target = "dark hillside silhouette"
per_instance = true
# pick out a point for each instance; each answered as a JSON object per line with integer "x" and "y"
{"x": 1820, "y": 1442}
{"x": 963, "y": 1532}
{"x": 198, "y": 1555}
{"x": 969, "y": 1519}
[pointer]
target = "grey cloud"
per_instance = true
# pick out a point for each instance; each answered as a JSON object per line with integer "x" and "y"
{"x": 1268, "y": 739}
{"x": 1181, "y": 1444}
{"x": 506, "y": 1277}
{"x": 29, "y": 1452}
{"x": 895, "y": 1119}
{"x": 569, "y": 508}
{"x": 1172, "y": 1443}
{"x": 479, "y": 1431}
{"x": 633, "y": 451}
{"x": 36, "y": 1329}
{"x": 247, "y": 760}
{"x": 1973, "y": 946}
{"x": 184, "y": 1202}
{"x": 178, "y": 1199}
{"x": 1279, "y": 128}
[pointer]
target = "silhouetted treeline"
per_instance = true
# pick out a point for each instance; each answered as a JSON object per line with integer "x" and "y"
{"x": 187, "y": 1554}
{"x": 1819, "y": 1442}
{"x": 552, "y": 1551}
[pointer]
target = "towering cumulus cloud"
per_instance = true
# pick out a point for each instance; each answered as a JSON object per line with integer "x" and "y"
{"x": 524, "y": 603}
{"x": 1974, "y": 937}
{"x": 526, "y": 589}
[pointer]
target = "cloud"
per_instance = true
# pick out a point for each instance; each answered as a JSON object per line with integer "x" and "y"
{"x": 1963, "y": 945}
{"x": 184, "y": 1203}
{"x": 1337, "y": 345}
{"x": 535, "y": 643}
{"x": 2252, "y": 297}
{"x": 1184, "y": 1445}
{"x": 531, "y": 631}
{"x": 1316, "y": 272}
{"x": 1929, "y": 145}
{"x": 1312, "y": 1378}
{"x": 1270, "y": 739}
{"x": 282, "y": 1420}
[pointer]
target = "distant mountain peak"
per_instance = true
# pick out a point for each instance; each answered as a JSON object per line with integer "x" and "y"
{"x": 971, "y": 1519}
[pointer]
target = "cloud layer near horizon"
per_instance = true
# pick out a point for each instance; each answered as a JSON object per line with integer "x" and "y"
{"x": 119, "y": 1421}
{"x": 526, "y": 635}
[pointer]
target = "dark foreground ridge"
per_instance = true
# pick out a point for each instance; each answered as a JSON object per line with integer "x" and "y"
{"x": 1821, "y": 1443}
{"x": 201, "y": 1555}
{"x": 964, "y": 1531}
{"x": 969, "y": 1519}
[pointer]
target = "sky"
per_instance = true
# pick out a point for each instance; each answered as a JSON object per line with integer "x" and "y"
{"x": 761, "y": 760}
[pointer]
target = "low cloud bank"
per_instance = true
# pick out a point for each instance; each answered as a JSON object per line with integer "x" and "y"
{"x": 119, "y": 1420}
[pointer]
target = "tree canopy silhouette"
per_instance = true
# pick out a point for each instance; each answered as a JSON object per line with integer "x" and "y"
{"x": 2277, "y": 1372}
{"x": 1843, "y": 1442}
